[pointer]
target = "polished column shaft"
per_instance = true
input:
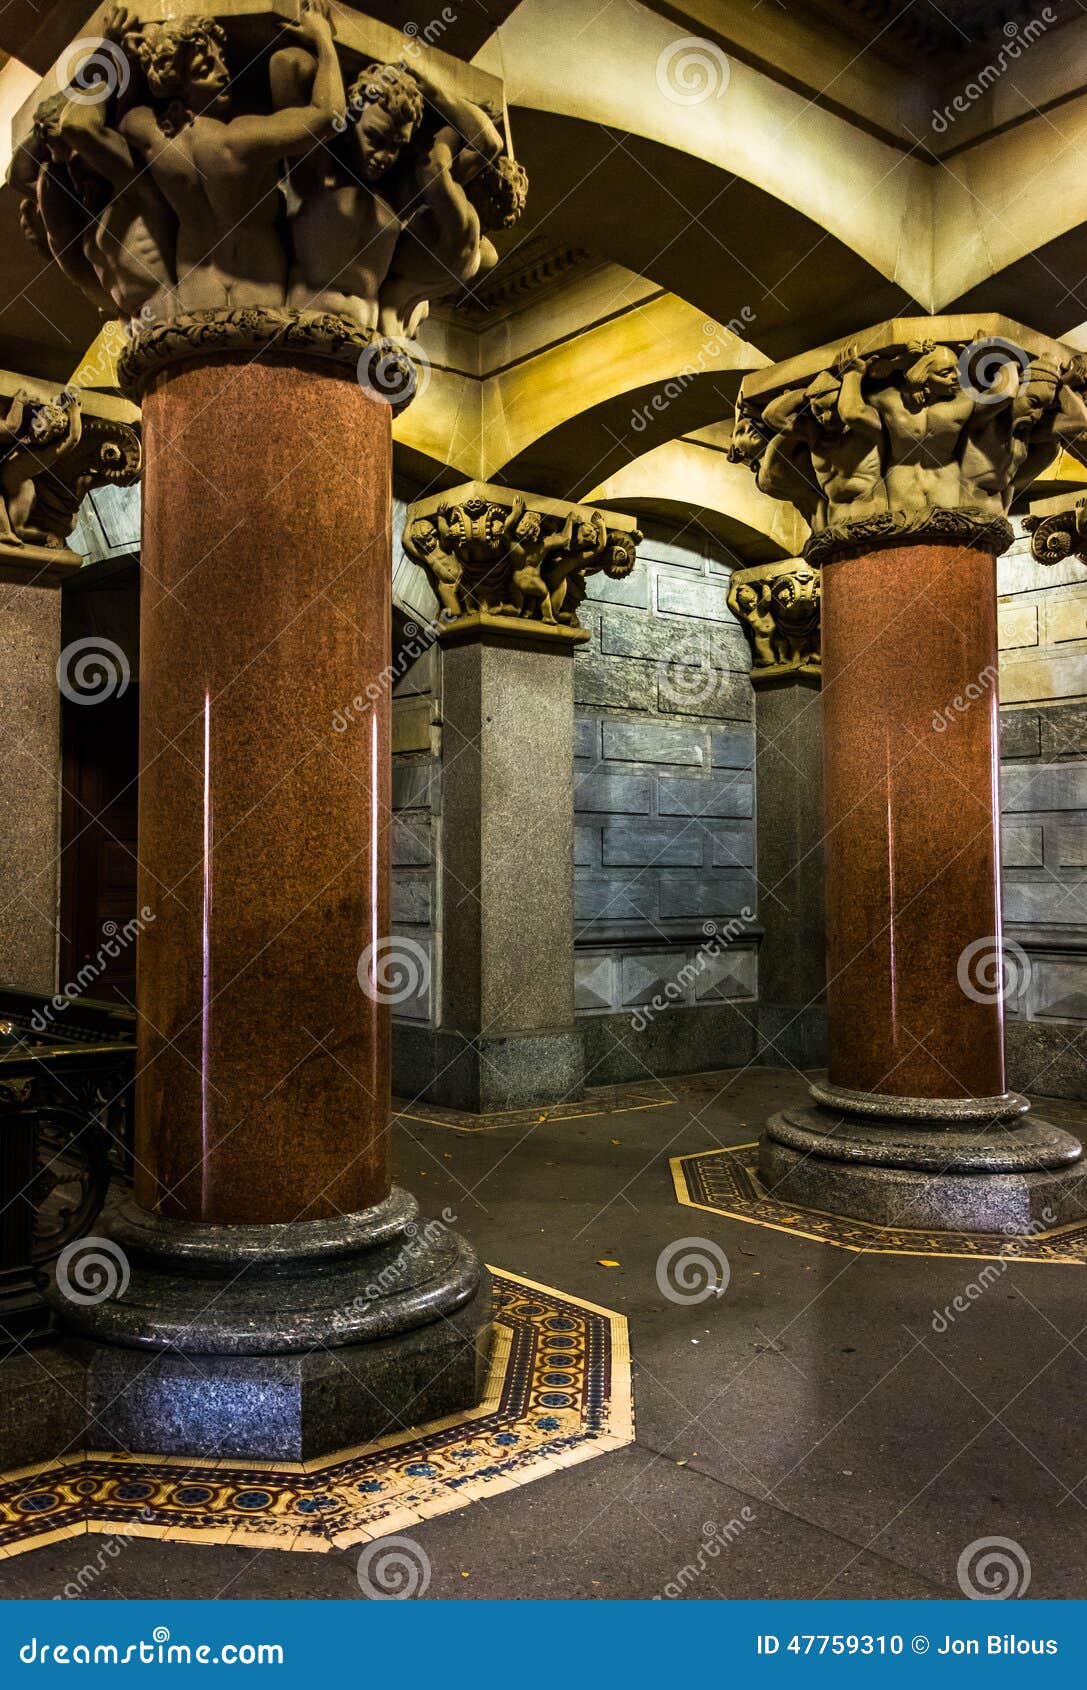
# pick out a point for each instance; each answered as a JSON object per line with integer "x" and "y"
{"x": 262, "y": 1090}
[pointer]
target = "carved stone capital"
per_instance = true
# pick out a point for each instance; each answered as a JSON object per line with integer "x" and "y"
{"x": 515, "y": 564}
{"x": 56, "y": 444}
{"x": 777, "y": 605}
{"x": 1058, "y": 528}
{"x": 184, "y": 164}
{"x": 922, "y": 431}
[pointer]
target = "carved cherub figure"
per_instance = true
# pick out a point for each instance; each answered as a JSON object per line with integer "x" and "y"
{"x": 34, "y": 435}
{"x": 344, "y": 231}
{"x": 53, "y": 216}
{"x": 530, "y": 551}
{"x": 750, "y": 603}
{"x": 220, "y": 173}
{"x": 1000, "y": 455}
{"x": 429, "y": 542}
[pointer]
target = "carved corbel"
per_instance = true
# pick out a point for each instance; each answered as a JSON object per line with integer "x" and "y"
{"x": 56, "y": 445}
{"x": 777, "y": 605}
{"x": 515, "y": 563}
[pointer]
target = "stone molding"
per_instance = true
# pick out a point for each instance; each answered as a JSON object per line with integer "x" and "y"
{"x": 923, "y": 431}
{"x": 515, "y": 565}
{"x": 777, "y": 605}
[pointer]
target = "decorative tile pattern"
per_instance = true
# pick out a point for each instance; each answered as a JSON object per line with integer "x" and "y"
{"x": 726, "y": 1183}
{"x": 558, "y": 1393}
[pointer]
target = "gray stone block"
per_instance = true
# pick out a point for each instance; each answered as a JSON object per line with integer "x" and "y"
{"x": 724, "y": 893}
{"x": 1043, "y": 786}
{"x": 416, "y": 784}
{"x": 717, "y": 695}
{"x": 732, "y": 748}
{"x": 1052, "y": 902}
{"x": 655, "y": 742}
{"x": 652, "y": 638}
{"x": 412, "y": 900}
{"x": 1072, "y": 847}
{"x": 602, "y": 793}
{"x": 619, "y": 683}
{"x": 587, "y": 737}
{"x": 732, "y": 847}
{"x": 1021, "y": 846}
{"x": 1020, "y": 733}
{"x": 725, "y": 795}
{"x": 1063, "y": 730}
{"x": 649, "y": 974}
{"x": 1058, "y": 988}
{"x": 586, "y": 847}
{"x": 704, "y": 599}
{"x": 616, "y": 898}
{"x": 730, "y": 973}
{"x": 680, "y": 1040}
{"x": 635, "y": 846}
{"x": 596, "y": 981}
{"x": 1047, "y": 1058}
{"x": 411, "y": 845}
{"x": 633, "y": 591}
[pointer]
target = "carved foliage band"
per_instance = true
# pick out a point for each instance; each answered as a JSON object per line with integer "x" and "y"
{"x": 501, "y": 555}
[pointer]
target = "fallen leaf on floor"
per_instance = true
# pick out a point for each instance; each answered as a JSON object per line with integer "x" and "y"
{"x": 682, "y": 1463}
{"x": 607, "y": 1262}
{"x": 617, "y": 1141}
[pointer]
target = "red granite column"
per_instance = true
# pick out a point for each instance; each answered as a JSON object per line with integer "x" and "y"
{"x": 912, "y": 817}
{"x": 263, "y": 1089}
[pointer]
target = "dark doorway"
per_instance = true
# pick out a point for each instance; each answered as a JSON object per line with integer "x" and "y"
{"x": 98, "y": 842}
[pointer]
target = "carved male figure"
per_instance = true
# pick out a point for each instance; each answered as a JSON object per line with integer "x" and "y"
{"x": 219, "y": 172}
{"x": 345, "y": 229}
{"x": 33, "y": 437}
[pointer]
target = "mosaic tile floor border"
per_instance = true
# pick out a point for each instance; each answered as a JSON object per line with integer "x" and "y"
{"x": 726, "y": 1182}
{"x": 559, "y": 1392}
{"x": 598, "y": 1100}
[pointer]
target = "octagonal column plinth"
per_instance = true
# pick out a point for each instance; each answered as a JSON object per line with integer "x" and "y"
{"x": 904, "y": 453}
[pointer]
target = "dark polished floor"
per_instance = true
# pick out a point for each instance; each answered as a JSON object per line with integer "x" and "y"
{"x": 859, "y": 1449}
